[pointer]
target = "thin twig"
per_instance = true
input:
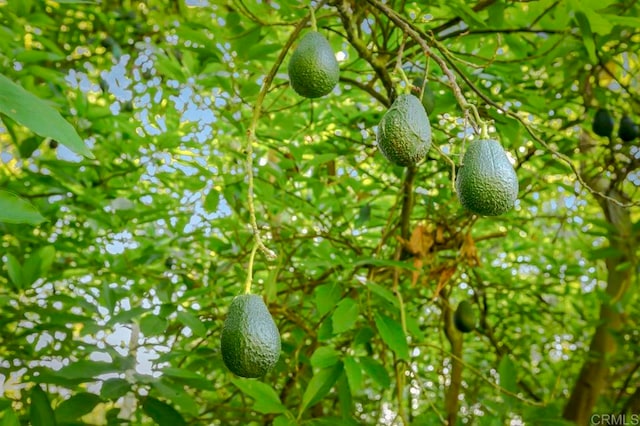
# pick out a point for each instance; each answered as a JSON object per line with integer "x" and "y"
{"x": 251, "y": 133}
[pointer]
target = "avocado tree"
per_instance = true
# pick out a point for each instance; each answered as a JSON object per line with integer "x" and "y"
{"x": 156, "y": 163}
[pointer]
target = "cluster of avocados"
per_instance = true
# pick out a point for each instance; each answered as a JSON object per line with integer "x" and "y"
{"x": 604, "y": 122}
{"x": 486, "y": 184}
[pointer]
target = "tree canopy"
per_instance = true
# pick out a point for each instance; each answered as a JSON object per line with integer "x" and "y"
{"x": 155, "y": 163}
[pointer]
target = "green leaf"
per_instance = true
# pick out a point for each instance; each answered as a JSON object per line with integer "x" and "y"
{"x": 40, "y": 412}
{"x": 376, "y": 371}
{"x": 324, "y": 357}
{"x": 320, "y": 385}
{"x": 212, "y": 200}
{"x": 114, "y": 388}
{"x": 283, "y": 420}
{"x": 344, "y": 397}
{"x": 38, "y": 264}
{"x": 192, "y": 322}
{"x": 587, "y": 36}
{"x": 393, "y": 335}
{"x": 177, "y": 395}
{"x": 162, "y": 413}
{"x": 189, "y": 377}
{"x": 76, "y": 406}
{"x": 508, "y": 377}
{"x": 152, "y": 325}
{"x": 14, "y": 209}
{"x": 10, "y": 418}
{"x": 354, "y": 374}
{"x": 266, "y": 399}
{"x": 382, "y": 292}
{"x": 326, "y": 296}
{"x": 32, "y": 112}
{"x": 15, "y": 271}
{"x": 85, "y": 369}
{"x": 345, "y": 316}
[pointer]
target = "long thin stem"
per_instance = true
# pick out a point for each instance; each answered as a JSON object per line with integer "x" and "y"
{"x": 249, "y": 280}
{"x": 251, "y": 134}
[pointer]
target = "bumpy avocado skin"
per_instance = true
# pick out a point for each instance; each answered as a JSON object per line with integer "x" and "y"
{"x": 602, "y": 123}
{"x": 250, "y": 342}
{"x": 404, "y": 133}
{"x": 313, "y": 68}
{"x": 628, "y": 130}
{"x": 486, "y": 183}
{"x": 464, "y": 318}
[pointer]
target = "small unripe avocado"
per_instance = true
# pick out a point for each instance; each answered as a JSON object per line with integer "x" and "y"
{"x": 404, "y": 132}
{"x": 250, "y": 342}
{"x": 603, "y": 123}
{"x": 313, "y": 68}
{"x": 628, "y": 130}
{"x": 486, "y": 183}
{"x": 464, "y": 318}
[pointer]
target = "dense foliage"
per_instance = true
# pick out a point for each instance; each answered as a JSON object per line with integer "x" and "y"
{"x": 123, "y": 245}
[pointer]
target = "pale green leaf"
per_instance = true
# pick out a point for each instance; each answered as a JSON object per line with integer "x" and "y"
{"x": 266, "y": 399}
{"x": 14, "y": 209}
{"x": 32, "y": 112}
{"x": 393, "y": 335}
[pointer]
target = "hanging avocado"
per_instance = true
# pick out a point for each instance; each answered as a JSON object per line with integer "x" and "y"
{"x": 487, "y": 184}
{"x": 603, "y": 123}
{"x": 464, "y": 318}
{"x": 628, "y": 130}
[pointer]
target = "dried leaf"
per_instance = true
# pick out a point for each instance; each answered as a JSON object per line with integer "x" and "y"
{"x": 468, "y": 251}
{"x": 417, "y": 263}
{"x": 445, "y": 275}
{"x": 440, "y": 234}
{"x": 421, "y": 241}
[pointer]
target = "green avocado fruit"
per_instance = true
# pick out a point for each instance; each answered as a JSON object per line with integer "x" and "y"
{"x": 603, "y": 123}
{"x": 464, "y": 318}
{"x": 428, "y": 98}
{"x": 250, "y": 342}
{"x": 486, "y": 183}
{"x": 404, "y": 132}
{"x": 313, "y": 68}
{"x": 628, "y": 130}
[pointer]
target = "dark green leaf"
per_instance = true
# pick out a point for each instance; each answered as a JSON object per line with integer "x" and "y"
{"x": 320, "y": 384}
{"x": 114, "y": 388}
{"x": 76, "y": 406}
{"x": 162, "y": 413}
{"x": 40, "y": 412}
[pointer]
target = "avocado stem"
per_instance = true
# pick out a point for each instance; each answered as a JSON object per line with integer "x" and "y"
{"x": 314, "y": 24}
{"x": 252, "y": 257}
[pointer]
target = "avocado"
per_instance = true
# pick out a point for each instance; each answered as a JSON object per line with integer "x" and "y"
{"x": 250, "y": 342}
{"x": 404, "y": 132}
{"x": 428, "y": 98}
{"x": 603, "y": 123}
{"x": 628, "y": 130}
{"x": 464, "y": 318}
{"x": 486, "y": 183}
{"x": 313, "y": 68}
